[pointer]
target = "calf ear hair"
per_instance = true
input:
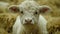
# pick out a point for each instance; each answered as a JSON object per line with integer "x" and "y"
{"x": 13, "y": 8}
{"x": 44, "y": 9}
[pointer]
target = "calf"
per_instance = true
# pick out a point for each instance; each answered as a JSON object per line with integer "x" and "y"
{"x": 30, "y": 20}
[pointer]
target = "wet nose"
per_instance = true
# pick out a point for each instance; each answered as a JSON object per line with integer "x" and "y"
{"x": 28, "y": 20}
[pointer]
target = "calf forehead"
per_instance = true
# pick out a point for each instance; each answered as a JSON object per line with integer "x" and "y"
{"x": 29, "y": 6}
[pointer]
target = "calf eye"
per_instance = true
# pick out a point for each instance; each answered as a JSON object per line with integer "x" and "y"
{"x": 36, "y": 13}
{"x": 21, "y": 12}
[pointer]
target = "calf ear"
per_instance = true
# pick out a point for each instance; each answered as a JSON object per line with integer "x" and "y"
{"x": 14, "y": 8}
{"x": 44, "y": 9}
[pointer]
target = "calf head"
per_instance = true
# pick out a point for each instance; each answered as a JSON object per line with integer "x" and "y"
{"x": 29, "y": 11}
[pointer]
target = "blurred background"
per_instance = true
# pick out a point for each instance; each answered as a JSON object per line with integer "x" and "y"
{"x": 7, "y": 19}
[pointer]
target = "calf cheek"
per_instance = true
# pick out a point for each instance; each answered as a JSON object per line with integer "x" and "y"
{"x": 22, "y": 19}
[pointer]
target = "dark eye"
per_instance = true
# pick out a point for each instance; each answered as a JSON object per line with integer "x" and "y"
{"x": 36, "y": 12}
{"x": 21, "y": 12}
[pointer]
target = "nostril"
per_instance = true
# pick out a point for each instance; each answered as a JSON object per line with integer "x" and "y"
{"x": 28, "y": 20}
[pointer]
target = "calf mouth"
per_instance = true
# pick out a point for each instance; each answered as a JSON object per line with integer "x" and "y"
{"x": 28, "y": 24}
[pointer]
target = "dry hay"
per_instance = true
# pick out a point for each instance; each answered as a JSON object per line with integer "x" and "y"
{"x": 53, "y": 26}
{"x": 2, "y": 31}
{"x": 6, "y": 21}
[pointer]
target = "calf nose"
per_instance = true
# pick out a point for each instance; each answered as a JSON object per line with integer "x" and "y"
{"x": 28, "y": 20}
